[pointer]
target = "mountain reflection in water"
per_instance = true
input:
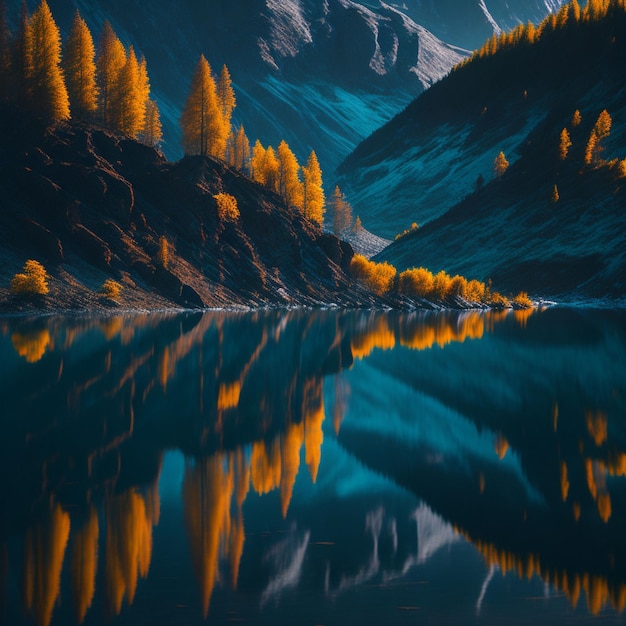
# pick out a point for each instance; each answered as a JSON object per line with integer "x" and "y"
{"x": 486, "y": 444}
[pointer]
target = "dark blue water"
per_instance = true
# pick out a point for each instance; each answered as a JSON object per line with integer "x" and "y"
{"x": 314, "y": 468}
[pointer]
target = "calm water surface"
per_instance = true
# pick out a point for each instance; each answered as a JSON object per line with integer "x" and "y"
{"x": 314, "y": 468}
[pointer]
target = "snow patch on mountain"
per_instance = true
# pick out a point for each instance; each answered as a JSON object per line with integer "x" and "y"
{"x": 289, "y": 29}
{"x": 496, "y": 28}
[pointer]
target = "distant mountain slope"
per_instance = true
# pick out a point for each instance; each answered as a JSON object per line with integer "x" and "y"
{"x": 511, "y": 230}
{"x": 91, "y": 206}
{"x": 321, "y": 74}
{"x": 469, "y": 23}
{"x": 430, "y": 156}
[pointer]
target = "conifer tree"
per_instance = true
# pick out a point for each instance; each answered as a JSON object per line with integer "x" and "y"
{"x": 290, "y": 186}
{"x": 574, "y": 12}
{"x": 564, "y": 144}
{"x": 130, "y": 96}
{"x": 240, "y": 150}
{"x": 576, "y": 118}
{"x": 201, "y": 120}
{"x": 152, "y": 132}
{"x": 555, "y": 194}
{"x": 601, "y": 130}
{"x": 313, "y": 190}
{"x": 111, "y": 59}
{"x": 227, "y": 103}
{"x": 49, "y": 93}
{"x": 271, "y": 169}
{"x": 257, "y": 169}
{"x": 342, "y": 212}
{"x": 80, "y": 69}
{"x": 500, "y": 165}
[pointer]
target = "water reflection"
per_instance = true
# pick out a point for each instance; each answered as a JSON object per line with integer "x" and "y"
{"x": 508, "y": 430}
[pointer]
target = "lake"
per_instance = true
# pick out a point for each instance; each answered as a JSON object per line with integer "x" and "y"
{"x": 314, "y": 467}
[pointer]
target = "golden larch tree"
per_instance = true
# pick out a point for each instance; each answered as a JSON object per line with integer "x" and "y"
{"x": 555, "y": 194}
{"x": 227, "y": 103}
{"x": 314, "y": 201}
{"x": 500, "y": 165}
{"x": 257, "y": 170}
{"x": 80, "y": 69}
{"x": 49, "y": 95}
{"x": 201, "y": 120}
{"x": 271, "y": 169}
{"x": 342, "y": 212}
{"x": 109, "y": 63}
{"x": 127, "y": 112}
{"x": 142, "y": 93}
{"x": 574, "y": 12}
{"x": 565, "y": 143}
{"x": 152, "y": 132}
{"x": 290, "y": 186}
{"x": 576, "y": 118}
{"x": 601, "y": 130}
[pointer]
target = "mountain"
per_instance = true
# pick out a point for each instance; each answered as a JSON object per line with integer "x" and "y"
{"x": 424, "y": 167}
{"x": 320, "y": 74}
{"x": 90, "y": 206}
{"x": 469, "y": 23}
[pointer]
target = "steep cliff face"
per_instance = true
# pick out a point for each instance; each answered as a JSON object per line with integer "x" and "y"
{"x": 91, "y": 205}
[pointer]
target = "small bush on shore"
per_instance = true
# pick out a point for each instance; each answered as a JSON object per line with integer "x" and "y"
{"x": 33, "y": 281}
{"x": 379, "y": 277}
{"x": 522, "y": 300}
{"x": 111, "y": 289}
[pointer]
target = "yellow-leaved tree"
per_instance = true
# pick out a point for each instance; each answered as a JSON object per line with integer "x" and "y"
{"x": 111, "y": 59}
{"x": 314, "y": 202}
{"x": 80, "y": 69}
{"x": 257, "y": 170}
{"x": 227, "y": 102}
{"x": 49, "y": 93}
{"x": 22, "y": 59}
{"x": 152, "y": 132}
{"x": 201, "y": 120}
{"x": 564, "y": 144}
{"x": 290, "y": 186}
{"x": 500, "y": 165}
{"x": 601, "y": 130}
{"x": 271, "y": 169}
{"x": 128, "y": 110}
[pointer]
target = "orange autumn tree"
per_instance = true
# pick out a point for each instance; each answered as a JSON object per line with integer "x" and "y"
{"x": 49, "y": 93}
{"x": 152, "y": 132}
{"x": 290, "y": 186}
{"x": 565, "y": 143}
{"x": 226, "y": 101}
{"x": 601, "y": 130}
{"x": 313, "y": 191}
{"x": 500, "y": 165}
{"x": 110, "y": 61}
{"x": 80, "y": 69}
{"x": 201, "y": 120}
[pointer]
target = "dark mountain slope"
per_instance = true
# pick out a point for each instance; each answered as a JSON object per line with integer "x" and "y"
{"x": 429, "y": 157}
{"x": 91, "y": 205}
{"x": 513, "y": 231}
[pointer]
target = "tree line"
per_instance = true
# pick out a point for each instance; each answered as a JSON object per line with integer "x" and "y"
{"x": 570, "y": 14}
{"x": 207, "y": 129}
{"x": 58, "y": 80}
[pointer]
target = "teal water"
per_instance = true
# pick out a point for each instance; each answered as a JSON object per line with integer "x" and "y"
{"x": 319, "y": 467}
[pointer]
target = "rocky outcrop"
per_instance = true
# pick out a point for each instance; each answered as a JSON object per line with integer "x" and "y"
{"x": 91, "y": 205}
